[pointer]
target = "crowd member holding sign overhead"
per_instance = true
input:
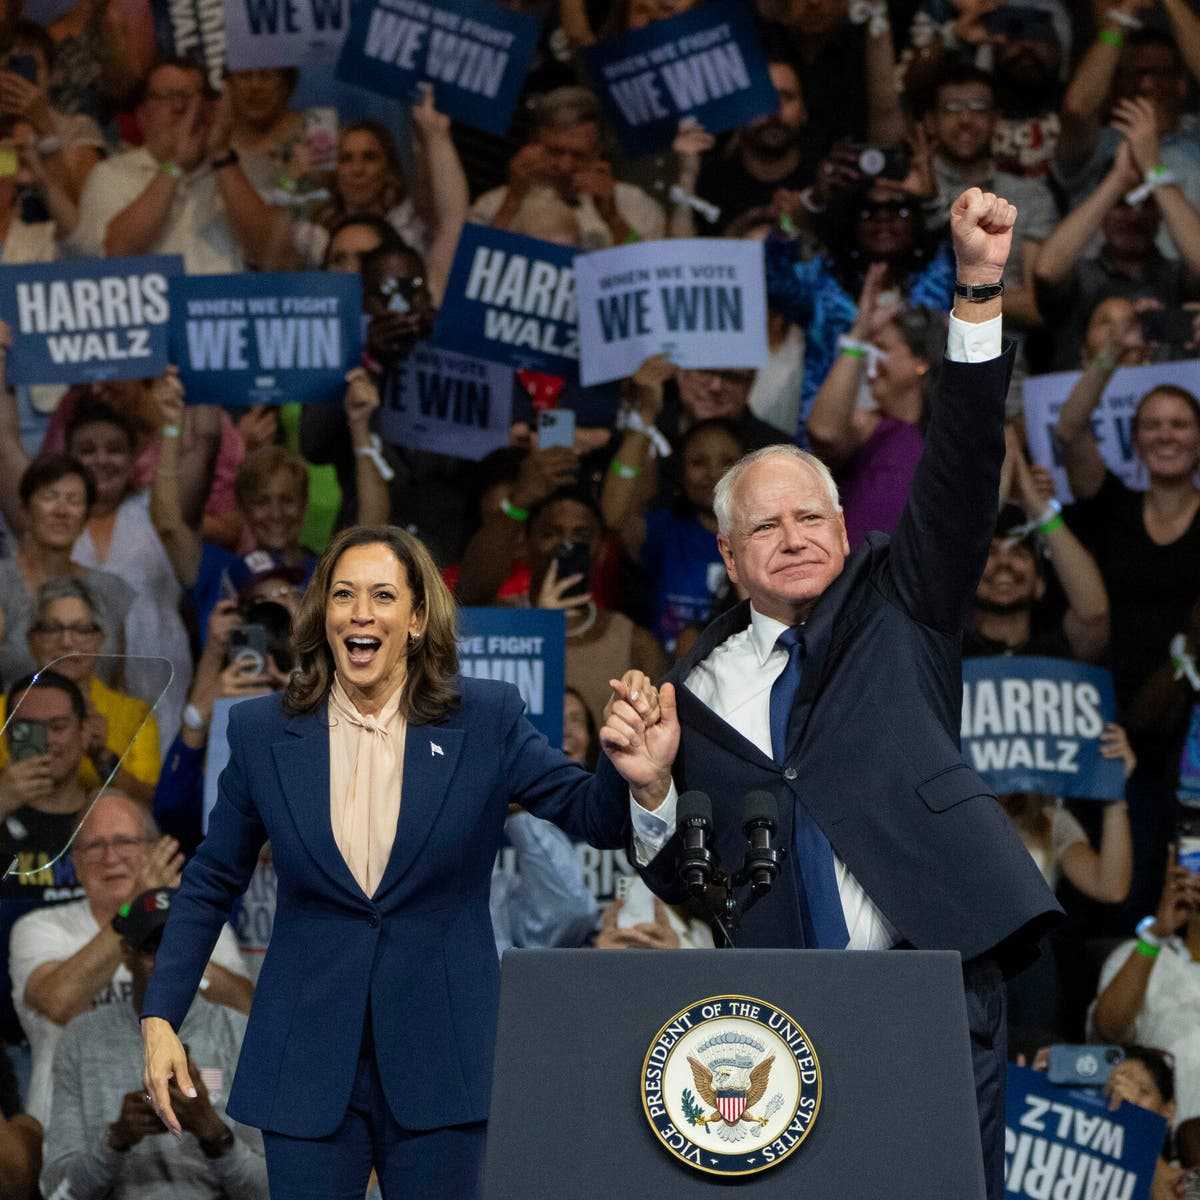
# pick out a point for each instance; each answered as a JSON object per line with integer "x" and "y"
{"x": 1147, "y": 544}
{"x": 382, "y": 779}
{"x": 182, "y": 191}
{"x": 888, "y": 846}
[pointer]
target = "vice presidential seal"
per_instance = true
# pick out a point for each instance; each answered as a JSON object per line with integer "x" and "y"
{"x": 731, "y": 1085}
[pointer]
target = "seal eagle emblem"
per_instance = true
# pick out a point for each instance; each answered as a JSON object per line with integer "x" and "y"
{"x": 731, "y": 1085}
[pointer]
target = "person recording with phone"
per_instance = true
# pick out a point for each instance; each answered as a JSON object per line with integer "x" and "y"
{"x": 564, "y": 541}
{"x": 1149, "y": 989}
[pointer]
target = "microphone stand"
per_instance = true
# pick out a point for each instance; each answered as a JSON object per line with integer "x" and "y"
{"x": 720, "y": 897}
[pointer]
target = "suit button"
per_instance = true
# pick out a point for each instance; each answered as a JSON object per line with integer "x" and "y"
{"x": 373, "y": 920}
{"x": 789, "y": 773}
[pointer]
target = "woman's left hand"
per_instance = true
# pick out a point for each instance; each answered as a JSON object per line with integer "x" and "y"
{"x": 1114, "y": 743}
{"x": 643, "y": 753}
{"x": 428, "y": 121}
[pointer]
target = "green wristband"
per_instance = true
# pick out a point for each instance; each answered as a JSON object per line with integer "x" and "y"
{"x": 174, "y": 170}
{"x": 1055, "y": 522}
{"x": 512, "y": 511}
{"x": 1112, "y": 37}
{"x": 1146, "y": 950}
{"x": 853, "y": 352}
{"x": 624, "y": 470}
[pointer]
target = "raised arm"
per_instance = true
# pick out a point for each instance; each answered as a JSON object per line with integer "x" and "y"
{"x": 448, "y": 198}
{"x": 362, "y": 399}
{"x": 1060, "y": 252}
{"x": 1086, "y": 622}
{"x": 180, "y": 541}
{"x": 836, "y": 429}
{"x": 941, "y": 541}
{"x": 13, "y": 459}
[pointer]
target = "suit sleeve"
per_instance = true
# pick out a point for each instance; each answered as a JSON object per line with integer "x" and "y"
{"x": 591, "y": 808}
{"x": 941, "y": 541}
{"x": 218, "y": 874}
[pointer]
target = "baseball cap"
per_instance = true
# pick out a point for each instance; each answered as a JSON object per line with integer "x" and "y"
{"x": 141, "y": 921}
{"x": 253, "y": 568}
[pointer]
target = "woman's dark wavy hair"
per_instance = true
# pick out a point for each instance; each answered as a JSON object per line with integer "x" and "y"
{"x": 431, "y": 689}
{"x": 682, "y": 506}
{"x": 50, "y": 468}
{"x": 837, "y": 229}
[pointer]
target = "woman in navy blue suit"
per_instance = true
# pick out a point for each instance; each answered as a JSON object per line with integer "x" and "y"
{"x": 382, "y": 779}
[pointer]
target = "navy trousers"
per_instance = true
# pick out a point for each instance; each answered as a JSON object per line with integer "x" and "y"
{"x": 429, "y": 1164}
{"x": 987, "y": 1021}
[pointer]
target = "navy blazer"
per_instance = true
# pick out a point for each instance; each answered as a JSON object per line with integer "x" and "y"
{"x": 420, "y": 952}
{"x": 874, "y": 756}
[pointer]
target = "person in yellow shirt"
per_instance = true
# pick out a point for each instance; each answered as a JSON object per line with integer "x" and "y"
{"x": 122, "y": 734}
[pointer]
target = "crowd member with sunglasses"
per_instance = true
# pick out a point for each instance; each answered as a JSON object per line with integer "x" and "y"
{"x": 859, "y": 224}
{"x": 66, "y": 960}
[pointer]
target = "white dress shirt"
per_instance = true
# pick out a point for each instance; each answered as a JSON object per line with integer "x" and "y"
{"x": 735, "y": 681}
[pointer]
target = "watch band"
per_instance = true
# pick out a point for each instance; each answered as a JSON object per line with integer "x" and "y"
{"x": 228, "y": 159}
{"x": 978, "y": 293}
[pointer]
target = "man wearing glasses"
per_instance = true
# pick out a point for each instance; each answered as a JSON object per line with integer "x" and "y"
{"x": 960, "y": 123}
{"x": 182, "y": 191}
{"x": 66, "y": 960}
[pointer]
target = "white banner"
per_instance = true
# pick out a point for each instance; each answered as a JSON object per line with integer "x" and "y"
{"x": 1112, "y": 421}
{"x": 700, "y": 301}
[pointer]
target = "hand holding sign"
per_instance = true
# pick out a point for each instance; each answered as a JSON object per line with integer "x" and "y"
{"x": 981, "y": 226}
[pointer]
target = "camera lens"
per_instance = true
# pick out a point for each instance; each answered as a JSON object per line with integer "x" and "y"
{"x": 872, "y": 161}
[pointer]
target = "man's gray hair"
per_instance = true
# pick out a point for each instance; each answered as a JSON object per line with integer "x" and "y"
{"x": 64, "y": 589}
{"x": 727, "y": 484}
{"x": 150, "y": 828}
{"x": 564, "y": 107}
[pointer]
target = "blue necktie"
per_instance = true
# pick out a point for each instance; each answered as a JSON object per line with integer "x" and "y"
{"x": 820, "y": 901}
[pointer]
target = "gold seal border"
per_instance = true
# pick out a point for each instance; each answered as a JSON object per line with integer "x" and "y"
{"x": 688, "y": 1008}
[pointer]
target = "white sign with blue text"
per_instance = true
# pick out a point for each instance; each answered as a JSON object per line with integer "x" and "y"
{"x": 1112, "y": 421}
{"x": 700, "y": 301}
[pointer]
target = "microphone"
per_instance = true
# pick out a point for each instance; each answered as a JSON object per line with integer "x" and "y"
{"x": 760, "y": 815}
{"x": 693, "y": 823}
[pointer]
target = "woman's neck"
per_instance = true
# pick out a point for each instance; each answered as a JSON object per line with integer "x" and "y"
{"x": 371, "y": 703}
{"x": 39, "y": 563}
{"x": 907, "y": 406}
{"x": 1171, "y": 497}
{"x": 1009, "y": 629}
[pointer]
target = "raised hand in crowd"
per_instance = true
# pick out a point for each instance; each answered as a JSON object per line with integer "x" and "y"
{"x": 136, "y": 1121}
{"x": 195, "y": 1112}
{"x": 1136, "y": 120}
{"x": 258, "y": 426}
{"x": 162, "y": 868}
{"x": 645, "y": 935}
{"x": 371, "y": 469}
{"x": 561, "y": 593}
{"x": 1120, "y": 1003}
{"x": 24, "y": 782}
{"x": 1114, "y": 743}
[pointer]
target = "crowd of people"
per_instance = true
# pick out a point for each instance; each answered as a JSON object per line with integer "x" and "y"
{"x": 153, "y": 553}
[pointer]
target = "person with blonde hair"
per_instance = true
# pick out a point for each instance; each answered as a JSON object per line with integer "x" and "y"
{"x": 382, "y": 778}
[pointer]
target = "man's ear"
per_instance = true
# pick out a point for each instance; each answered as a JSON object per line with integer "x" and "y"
{"x": 845, "y": 536}
{"x": 726, "y": 549}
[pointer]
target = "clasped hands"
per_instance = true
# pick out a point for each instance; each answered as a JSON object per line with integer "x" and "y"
{"x": 640, "y": 735}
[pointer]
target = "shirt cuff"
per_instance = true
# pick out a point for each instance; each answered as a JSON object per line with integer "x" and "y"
{"x": 652, "y": 830}
{"x": 967, "y": 342}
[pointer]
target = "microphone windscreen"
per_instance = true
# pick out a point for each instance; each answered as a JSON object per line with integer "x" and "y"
{"x": 693, "y": 806}
{"x": 760, "y": 806}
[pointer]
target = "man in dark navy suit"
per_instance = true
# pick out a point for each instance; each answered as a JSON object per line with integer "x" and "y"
{"x": 837, "y": 688}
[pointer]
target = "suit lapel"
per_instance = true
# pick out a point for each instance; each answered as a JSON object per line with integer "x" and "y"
{"x": 431, "y": 754}
{"x": 302, "y": 762}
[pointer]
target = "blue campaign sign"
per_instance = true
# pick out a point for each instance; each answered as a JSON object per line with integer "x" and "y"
{"x": 257, "y": 338}
{"x": 1062, "y": 1141}
{"x": 706, "y": 64}
{"x": 475, "y": 53}
{"x": 88, "y": 319}
{"x": 526, "y": 647}
{"x": 1033, "y": 725}
{"x": 511, "y": 299}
